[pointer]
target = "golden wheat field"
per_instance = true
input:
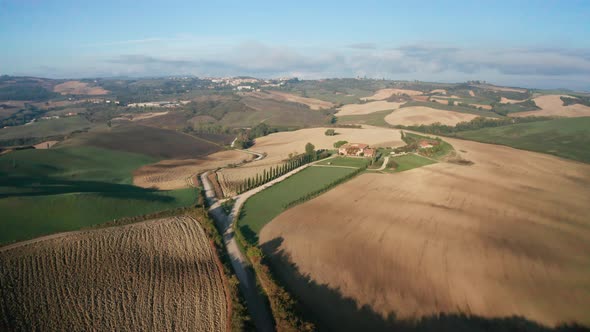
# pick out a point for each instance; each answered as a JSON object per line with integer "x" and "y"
{"x": 386, "y": 93}
{"x": 552, "y": 105}
{"x": 159, "y": 275}
{"x": 508, "y": 235}
{"x": 367, "y": 108}
{"x": 417, "y": 115}
{"x": 278, "y": 146}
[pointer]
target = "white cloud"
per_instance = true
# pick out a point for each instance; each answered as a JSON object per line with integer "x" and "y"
{"x": 547, "y": 67}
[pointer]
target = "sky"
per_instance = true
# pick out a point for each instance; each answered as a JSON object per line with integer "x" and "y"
{"x": 539, "y": 44}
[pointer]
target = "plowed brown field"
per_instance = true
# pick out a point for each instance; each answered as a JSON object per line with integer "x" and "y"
{"x": 312, "y": 103}
{"x": 509, "y": 235}
{"x": 79, "y": 88}
{"x": 176, "y": 174}
{"x": 159, "y": 275}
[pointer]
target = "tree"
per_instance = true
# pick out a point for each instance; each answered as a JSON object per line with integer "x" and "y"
{"x": 330, "y": 132}
{"x": 339, "y": 144}
{"x": 451, "y": 102}
{"x": 309, "y": 149}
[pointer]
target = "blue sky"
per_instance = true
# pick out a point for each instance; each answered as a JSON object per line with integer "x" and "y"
{"x": 528, "y": 43}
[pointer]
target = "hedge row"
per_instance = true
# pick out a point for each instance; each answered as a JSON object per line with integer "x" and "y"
{"x": 329, "y": 186}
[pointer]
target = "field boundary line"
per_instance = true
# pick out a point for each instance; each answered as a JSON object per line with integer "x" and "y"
{"x": 335, "y": 166}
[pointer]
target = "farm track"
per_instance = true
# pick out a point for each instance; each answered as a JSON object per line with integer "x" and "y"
{"x": 338, "y": 166}
{"x": 158, "y": 275}
{"x": 256, "y": 302}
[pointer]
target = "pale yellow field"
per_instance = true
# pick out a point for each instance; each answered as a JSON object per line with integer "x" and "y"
{"x": 367, "y": 108}
{"x": 440, "y": 91}
{"x": 505, "y": 100}
{"x": 471, "y": 93}
{"x": 552, "y": 105}
{"x": 178, "y": 174}
{"x": 314, "y": 104}
{"x": 79, "y": 88}
{"x": 418, "y": 115}
{"x": 45, "y": 145}
{"x": 278, "y": 146}
{"x": 160, "y": 275}
{"x": 509, "y": 235}
{"x": 386, "y": 93}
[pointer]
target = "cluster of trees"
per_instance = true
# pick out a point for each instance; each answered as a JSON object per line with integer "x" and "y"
{"x": 246, "y": 137}
{"x": 579, "y": 100}
{"x": 477, "y": 123}
{"x": 26, "y": 92}
{"x": 208, "y": 128}
{"x": 22, "y": 116}
{"x": 438, "y": 149}
{"x": 330, "y": 132}
{"x": 284, "y": 307}
{"x": 504, "y": 109}
{"x": 339, "y": 144}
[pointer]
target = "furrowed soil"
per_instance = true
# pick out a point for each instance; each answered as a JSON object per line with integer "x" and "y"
{"x": 177, "y": 173}
{"x": 507, "y": 236}
{"x": 153, "y": 142}
{"x": 417, "y": 115}
{"x": 159, "y": 275}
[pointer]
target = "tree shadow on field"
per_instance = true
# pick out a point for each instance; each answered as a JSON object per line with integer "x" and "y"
{"x": 30, "y": 186}
{"x": 331, "y": 311}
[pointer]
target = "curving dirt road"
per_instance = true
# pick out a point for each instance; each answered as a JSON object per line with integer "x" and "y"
{"x": 256, "y": 302}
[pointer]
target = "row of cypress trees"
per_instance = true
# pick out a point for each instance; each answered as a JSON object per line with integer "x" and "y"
{"x": 274, "y": 172}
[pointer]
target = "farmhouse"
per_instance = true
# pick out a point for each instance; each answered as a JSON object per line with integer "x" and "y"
{"x": 426, "y": 144}
{"x": 356, "y": 149}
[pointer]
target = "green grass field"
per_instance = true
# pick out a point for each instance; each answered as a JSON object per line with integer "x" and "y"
{"x": 410, "y": 161}
{"x": 76, "y": 163}
{"x": 515, "y": 108}
{"x": 62, "y": 189}
{"x": 568, "y": 138}
{"x": 44, "y": 128}
{"x": 269, "y": 203}
{"x": 345, "y": 161}
{"x": 25, "y": 217}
